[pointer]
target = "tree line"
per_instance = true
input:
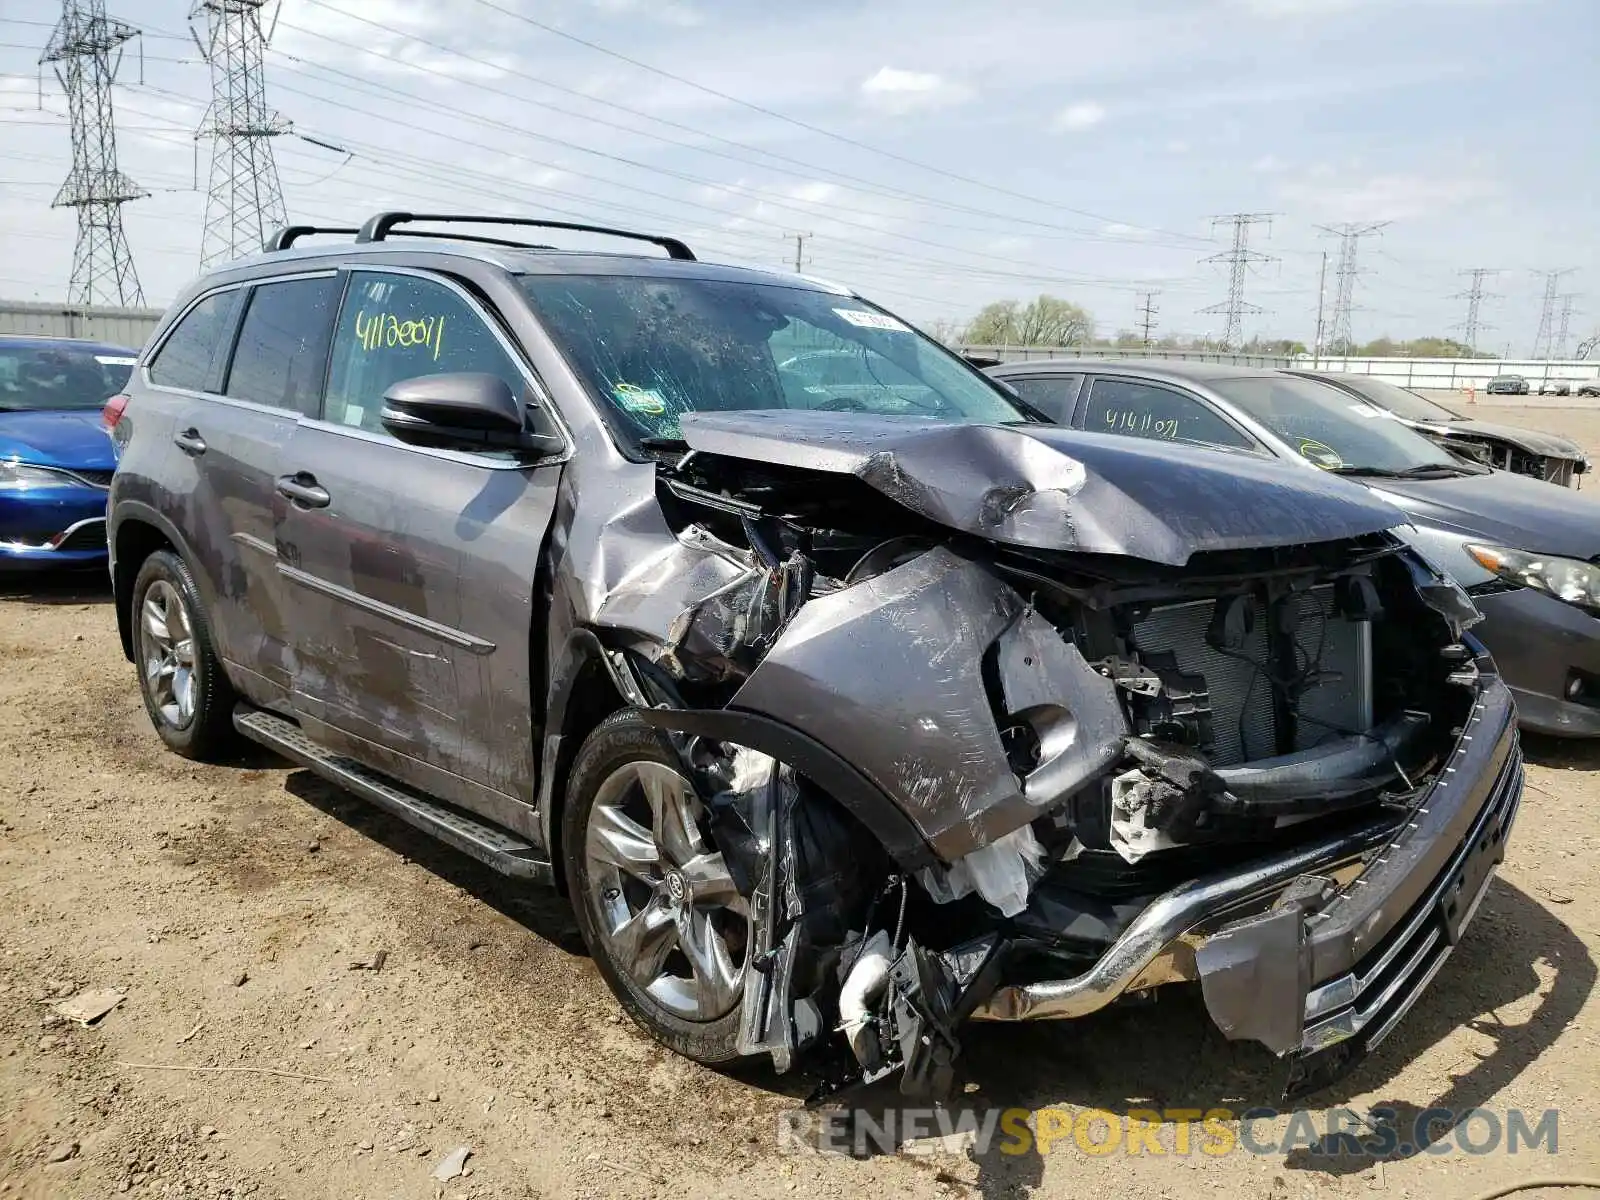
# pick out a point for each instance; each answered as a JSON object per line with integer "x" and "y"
{"x": 1051, "y": 321}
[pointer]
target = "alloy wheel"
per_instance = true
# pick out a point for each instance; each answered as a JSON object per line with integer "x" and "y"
{"x": 665, "y": 903}
{"x": 166, "y": 644}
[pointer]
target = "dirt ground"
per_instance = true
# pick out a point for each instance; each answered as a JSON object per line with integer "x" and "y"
{"x": 229, "y": 904}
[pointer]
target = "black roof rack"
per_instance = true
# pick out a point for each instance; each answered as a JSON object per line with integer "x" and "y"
{"x": 472, "y": 237}
{"x": 290, "y": 234}
{"x": 377, "y": 229}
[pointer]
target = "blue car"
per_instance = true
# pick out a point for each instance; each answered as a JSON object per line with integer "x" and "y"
{"x": 55, "y": 458}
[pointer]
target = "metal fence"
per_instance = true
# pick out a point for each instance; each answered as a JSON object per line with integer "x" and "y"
{"x": 121, "y": 326}
{"x": 1443, "y": 374}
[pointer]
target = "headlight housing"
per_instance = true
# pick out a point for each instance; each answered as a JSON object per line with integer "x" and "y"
{"x": 1568, "y": 579}
{"x": 18, "y": 477}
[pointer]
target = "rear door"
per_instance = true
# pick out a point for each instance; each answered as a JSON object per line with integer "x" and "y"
{"x": 1056, "y": 396}
{"x": 240, "y": 367}
{"x": 274, "y": 379}
{"x": 413, "y": 569}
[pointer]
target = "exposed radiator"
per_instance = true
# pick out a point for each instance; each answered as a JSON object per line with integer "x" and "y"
{"x": 1341, "y": 701}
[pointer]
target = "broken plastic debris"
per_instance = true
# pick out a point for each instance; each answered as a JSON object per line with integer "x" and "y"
{"x": 452, "y": 1164}
{"x": 89, "y": 1005}
{"x": 1001, "y": 872}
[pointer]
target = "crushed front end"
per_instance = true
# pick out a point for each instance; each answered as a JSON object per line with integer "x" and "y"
{"x": 984, "y": 735}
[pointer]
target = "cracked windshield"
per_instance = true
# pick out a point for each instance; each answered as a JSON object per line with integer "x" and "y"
{"x": 653, "y": 349}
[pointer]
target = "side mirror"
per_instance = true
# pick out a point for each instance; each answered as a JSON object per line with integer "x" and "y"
{"x": 467, "y": 410}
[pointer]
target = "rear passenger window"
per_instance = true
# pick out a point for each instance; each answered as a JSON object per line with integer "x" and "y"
{"x": 396, "y": 327}
{"x": 186, "y": 357}
{"x": 283, "y": 344}
{"x": 1053, "y": 395}
{"x": 1148, "y": 410}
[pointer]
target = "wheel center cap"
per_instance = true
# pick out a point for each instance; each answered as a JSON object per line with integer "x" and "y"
{"x": 677, "y": 887}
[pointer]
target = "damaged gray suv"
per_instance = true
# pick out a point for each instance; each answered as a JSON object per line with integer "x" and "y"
{"x": 846, "y": 700}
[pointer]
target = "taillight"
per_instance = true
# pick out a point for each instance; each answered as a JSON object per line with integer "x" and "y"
{"x": 112, "y": 412}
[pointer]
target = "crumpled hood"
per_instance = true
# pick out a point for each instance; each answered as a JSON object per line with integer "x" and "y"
{"x": 1050, "y": 488}
{"x": 1506, "y": 508}
{"x": 56, "y": 439}
{"x": 1531, "y": 440}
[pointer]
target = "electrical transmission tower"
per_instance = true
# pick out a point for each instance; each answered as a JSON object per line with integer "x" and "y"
{"x": 1238, "y": 258}
{"x": 1564, "y": 330}
{"x": 1147, "y": 315}
{"x": 1544, "y": 341}
{"x": 85, "y": 50}
{"x": 1349, "y": 235}
{"x": 1475, "y": 296}
{"x": 245, "y": 202}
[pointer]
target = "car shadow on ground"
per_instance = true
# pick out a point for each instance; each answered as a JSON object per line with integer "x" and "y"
{"x": 1172, "y": 1057}
{"x": 542, "y": 911}
{"x": 56, "y": 587}
{"x": 1161, "y": 1056}
{"x": 1562, "y": 754}
{"x": 1168, "y": 1055}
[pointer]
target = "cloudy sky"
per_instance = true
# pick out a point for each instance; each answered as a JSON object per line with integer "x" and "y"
{"x": 939, "y": 155}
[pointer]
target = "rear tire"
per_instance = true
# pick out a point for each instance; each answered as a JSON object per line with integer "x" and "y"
{"x": 181, "y": 679}
{"x": 652, "y": 896}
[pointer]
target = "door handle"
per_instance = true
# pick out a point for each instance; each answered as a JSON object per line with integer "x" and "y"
{"x": 302, "y": 488}
{"x": 189, "y": 441}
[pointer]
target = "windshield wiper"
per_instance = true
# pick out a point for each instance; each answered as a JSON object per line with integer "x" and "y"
{"x": 1420, "y": 471}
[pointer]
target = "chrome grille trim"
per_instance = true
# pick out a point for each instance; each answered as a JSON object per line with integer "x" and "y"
{"x": 88, "y": 534}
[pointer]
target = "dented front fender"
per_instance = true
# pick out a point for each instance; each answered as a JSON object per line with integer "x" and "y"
{"x": 889, "y": 675}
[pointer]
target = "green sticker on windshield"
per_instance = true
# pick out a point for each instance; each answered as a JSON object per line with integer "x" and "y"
{"x": 636, "y": 399}
{"x": 1321, "y": 455}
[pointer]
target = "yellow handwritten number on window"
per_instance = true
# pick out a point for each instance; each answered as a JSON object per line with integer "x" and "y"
{"x": 386, "y": 331}
{"x": 1139, "y": 424}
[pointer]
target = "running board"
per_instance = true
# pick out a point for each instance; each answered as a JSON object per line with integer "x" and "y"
{"x": 489, "y": 844}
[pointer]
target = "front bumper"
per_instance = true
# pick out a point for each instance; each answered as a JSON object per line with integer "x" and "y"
{"x": 82, "y": 544}
{"x": 1538, "y": 642}
{"x": 53, "y": 527}
{"x": 1289, "y": 956}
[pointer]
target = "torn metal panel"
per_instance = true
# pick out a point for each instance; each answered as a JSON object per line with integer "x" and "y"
{"x": 920, "y": 724}
{"x": 1068, "y": 706}
{"x": 1254, "y": 975}
{"x": 1051, "y": 488}
{"x": 659, "y": 595}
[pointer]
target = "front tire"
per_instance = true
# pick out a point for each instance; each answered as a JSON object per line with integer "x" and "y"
{"x": 654, "y": 900}
{"x": 185, "y": 689}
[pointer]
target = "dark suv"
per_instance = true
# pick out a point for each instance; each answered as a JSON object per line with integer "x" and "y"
{"x": 845, "y": 698}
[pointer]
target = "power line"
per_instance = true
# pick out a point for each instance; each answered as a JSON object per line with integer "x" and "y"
{"x": 146, "y": 33}
{"x": 1349, "y": 235}
{"x": 1475, "y": 296}
{"x": 1238, "y": 258}
{"x": 85, "y": 50}
{"x": 1033, "y": 274}
{"x": 499, "y": 150}
{"x": 1147, "y": 313}
{"x": 245, "y": 200}
{"x": 811, "y": 128}
{"x": 1544, "y": 340}
{"x": 806, "y": 170}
